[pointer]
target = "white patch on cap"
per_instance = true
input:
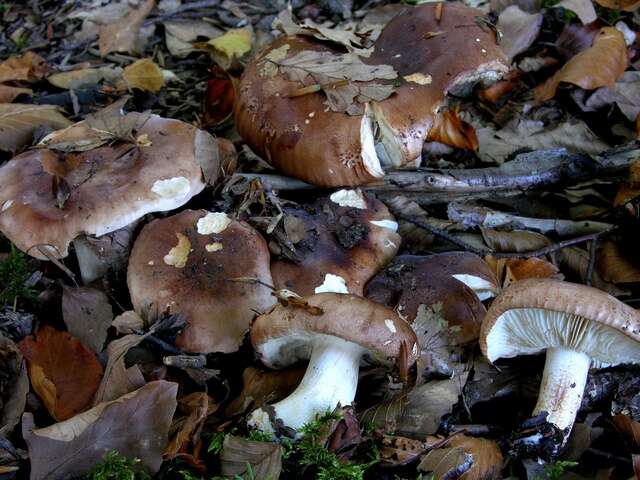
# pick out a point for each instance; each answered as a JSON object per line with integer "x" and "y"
{"x": 179, "y": 254}
{"x": 349, "y": 198}
{"x": 213, "y": 247}
{"x": 390, "y": 325}
{"x": 213, "y": 222}
{"x": 7, "y": 205}
{"x": 176, "y": 187}
{"x": 390, "y": 224}
{"x": 332, "y": 283}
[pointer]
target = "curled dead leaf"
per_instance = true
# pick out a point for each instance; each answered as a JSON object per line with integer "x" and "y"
{"x": 450, "y": 129}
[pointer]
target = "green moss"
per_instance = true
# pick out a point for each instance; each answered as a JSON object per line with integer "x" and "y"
{"x": 117, "y": 467}
{"x": 14, "y": 272}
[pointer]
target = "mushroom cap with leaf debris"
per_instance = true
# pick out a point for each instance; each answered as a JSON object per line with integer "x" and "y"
{"x": 190, "y": 264}
{"x": 339, "y": 119}
{"x": 49, "y": 197}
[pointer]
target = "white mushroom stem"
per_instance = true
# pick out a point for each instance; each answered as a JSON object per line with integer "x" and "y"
{"x": 331, "y": 379}
{"x": 563, "y": 383}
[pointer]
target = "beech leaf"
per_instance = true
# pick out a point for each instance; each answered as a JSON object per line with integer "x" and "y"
{"x": 87, "y": 314}
{"x": 599, "y": 66}
{"x": 265, "y": 458}
{"x": 62, "y": 371}
{"x": 19, "y": 122}
{"x": 136, "y": 425}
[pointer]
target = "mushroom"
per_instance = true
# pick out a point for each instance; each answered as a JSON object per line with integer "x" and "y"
{"x": 49, "y": 198}
{"x": 340, "y": 243}
{"x": 578, "y": 326}
{"x": 335, "y": 332}
{"x": 187, "y": 264}
{"x": 434, "y": 49}
{"x": 411, "y": 283}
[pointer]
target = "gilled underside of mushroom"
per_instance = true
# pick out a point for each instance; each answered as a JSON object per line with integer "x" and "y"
{"x": 573, "y": 344}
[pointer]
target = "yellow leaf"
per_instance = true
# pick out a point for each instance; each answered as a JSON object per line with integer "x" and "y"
{"x": 231, "y": 46}
{"x": 145, "y": 75}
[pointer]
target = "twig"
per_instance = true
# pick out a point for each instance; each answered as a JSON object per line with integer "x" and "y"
{"x": 593, "y": 246}
{"x": 442, "y": 234}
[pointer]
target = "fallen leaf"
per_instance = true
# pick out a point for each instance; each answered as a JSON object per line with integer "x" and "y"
{"x": 625, "y": 94}
{"x": 583, "y": 435}
{"x": 522, "y": 268}
{"x": 584, "y": 9}
{"x": 449, "y": 129}
{"x": 519, "y": 30}
{"x": 123, "y": 34}
{"x": 232, "y": 46}
{"x": 8, "y": 94}
{"x": 179, "y": 35}
{"x": 128, "y": 322}
{"x": 630, "y": 429}
{"x": 136, "y": 425}
{"x": 198, "y": 406}
{"x": 599, "y": 66}
{"x": 238, "y": 454}
{"x": 119, "y": 380}
{"x": 614, "y": 266}
{"x": 631, "y": 188}
{"x": 626, "y": 5}
{"x": 30, "y": 67}
{"x": 419, "y": 411}
{"x": 218, "y": 98}
{"x": 514, "y": 241}
{"x": 145, "y": 75}
{"x": 78, "y": 137}
{"x": 87, "y": 314}
{"x": 18, "y": 123}
{"x": 14, "y": 386}
{"x": 576, "y": 38}
{"x": 62, "y": 371}
{"x": 264, "y": 387}
{"x": 471, "y": 458}
{"x": 577, "y": 260}
{"x": 398, "y": 451}
{"x": 85, "y": 77}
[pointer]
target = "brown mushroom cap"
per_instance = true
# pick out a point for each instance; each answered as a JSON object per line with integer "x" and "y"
{"x": 534, "y": 314}
{"x": 110, "y": 187}
{"x": 352, "y": 243}
{"x": 284, "y": 334}
{"x": 175, "y": 268}
{"x": 301, "y": 138}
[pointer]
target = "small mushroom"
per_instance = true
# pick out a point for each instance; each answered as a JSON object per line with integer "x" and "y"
{"x": 335, "y": 332}
{"x": 187, "y": 264}
{"x": 49, "y": 198}
{"x": 434, "y": 48}
{"x": 341, "y": 242}
{"x": 578, "y": 326}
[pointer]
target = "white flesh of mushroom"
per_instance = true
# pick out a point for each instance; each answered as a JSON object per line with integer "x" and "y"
{"x": 481, "y": 287}
{"x": 573, "y": 343}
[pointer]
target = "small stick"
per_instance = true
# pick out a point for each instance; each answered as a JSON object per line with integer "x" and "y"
{"x": 593, "y": 246}
{"x": 442, "y": 234}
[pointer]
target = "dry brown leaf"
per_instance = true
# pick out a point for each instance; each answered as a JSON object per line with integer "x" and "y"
{"x": 599, "y": 66}
{"x": 631, "y": 189}
{"x": 449, "y": 129}
{"x": 614, "y": 266}
{"x": 626, "y": 5}
{"x": 14, "y": 385}
{"x": 18, "y": 123}
{"x": 514, "y": 241}
{"x": 136, "y": 425}
{"x": 630, "y": 429}
{"x": 87, "y": 314}
{"x": 198, "y": 406}
{"x": 519, "y": 30}
{"x": 119, "y": 380}
{"x": 85, "y": 77}
{"x": 145, "y": 75}
{"x": 577, "y": 260}
{"x": 123, "y": 34}
{"x": 30, "y": 67}
{"x": 471, "y": 458}
{"x": 521, "y": 268}
{"x": 62, "y": 371}
{"x": 8, "y": 94}
{"x": 265, "y": 458}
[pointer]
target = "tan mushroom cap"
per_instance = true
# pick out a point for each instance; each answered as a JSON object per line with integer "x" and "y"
{"x": 284, "y": 334}
{"x": 110, "y": 187}
{"x": 184, "y": 264}
{"x": 301, "y": 138}
{"x": 351, "y": 243}
{"x": 534, "y": 314}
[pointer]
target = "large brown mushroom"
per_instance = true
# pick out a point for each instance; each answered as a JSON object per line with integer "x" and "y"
{"x": 48, "y": 197}
{"x": 187, "y": 264}
{"x": 335, "y": 332}
{"x": 578, "y": 326}
{"x": 433, "y": 48}
{"x": 340, "y": 242}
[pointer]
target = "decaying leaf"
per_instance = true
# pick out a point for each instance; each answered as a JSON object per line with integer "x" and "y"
{"x": 264, "y": 387}
{"x": 30, "y": 67}
{"x": 232, "y": 46}
{"x": 449, "y": 129}
{"x": 145, "y": 75}
{"x": 87, "y": 314}
{"x": 630, "y": 429}
{"x": 219, "y": 98}
{"x": 509, "y": 270}
{"x": 180, "y": 34}
{"x": 123, "y": 34}
{"x": 577, "y": 259}
{"x": 119, "y": 380}
{"x": 197, "y": 406}
{"x": 8, "y": 94}
{"x": 136, "y": 425}
{"x": 238, "y": 454}
{"x": 599, "y": 66}
{"x": 466, "y": 458}
{"x": 62, "y": 371}
{"x": 519, "y": 30}
{"x": 128, "y": 322}
{"x": 14, "y": 385}
{"x": 514, "y": 241}
{"x": 626, "y": 5}
{"x": 397, "y": 450}
{"x": 85, "y": 77}
{"x": 18, "y": 123}
{"x": 614, "y": 266}
{"x": 625, "y": 94}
